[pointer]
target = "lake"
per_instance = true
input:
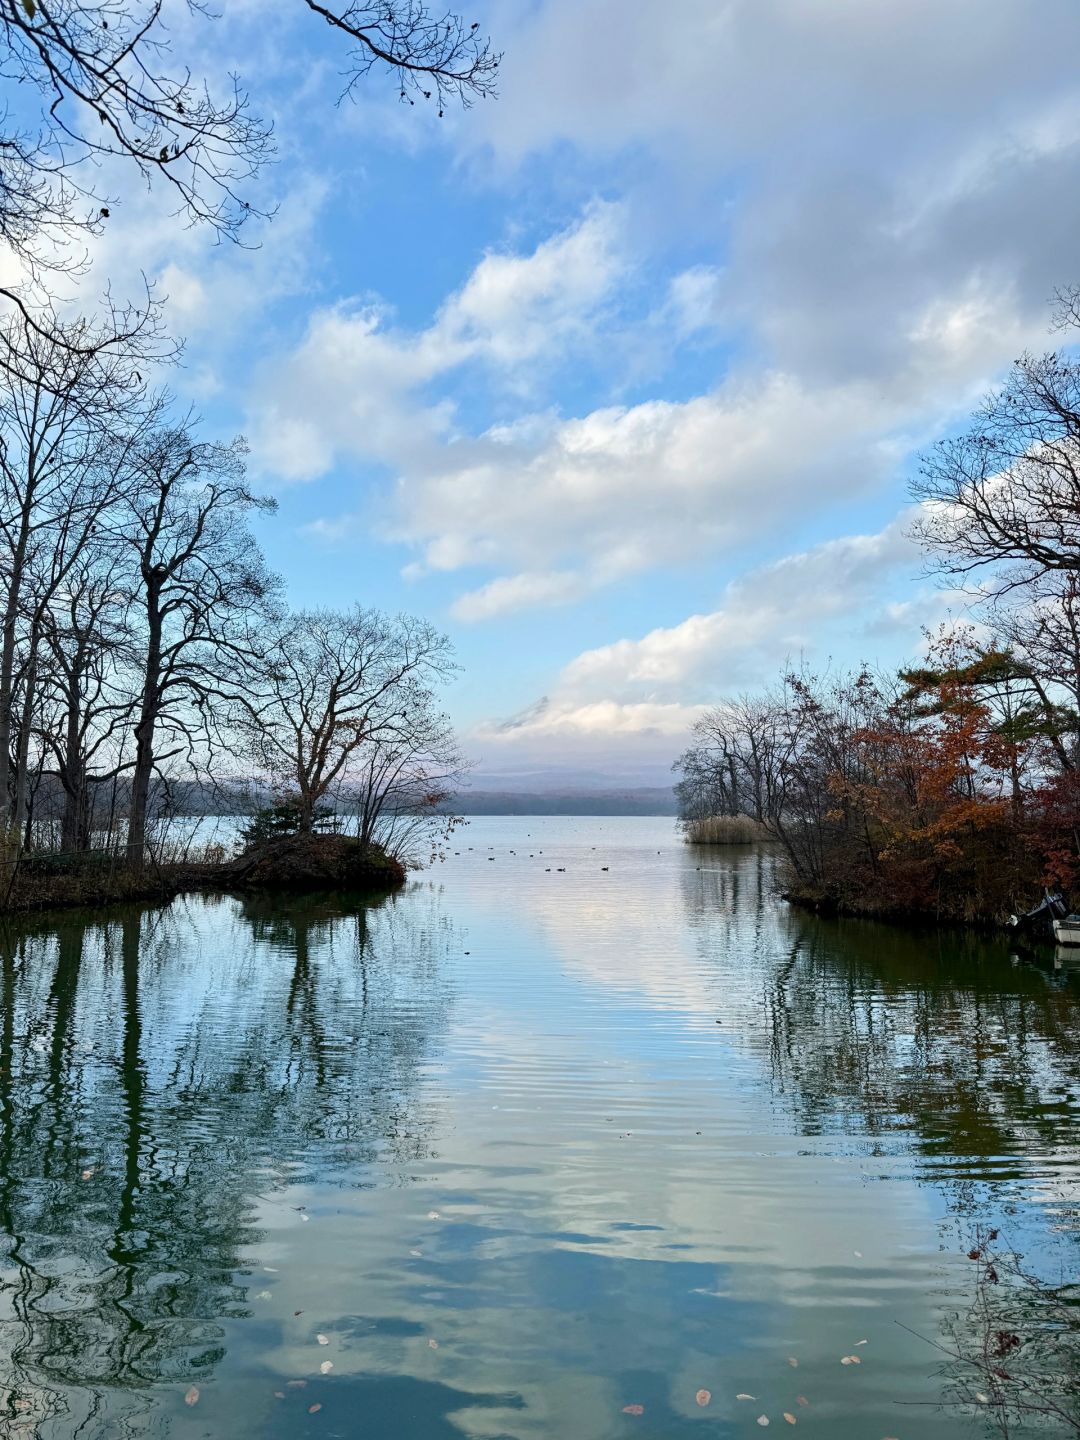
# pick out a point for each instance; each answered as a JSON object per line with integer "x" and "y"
{"x": 583, "y": 1119}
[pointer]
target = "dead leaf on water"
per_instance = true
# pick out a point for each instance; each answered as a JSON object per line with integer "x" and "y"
{"x": 790, "y": 1418}
{"x": 192, "y": 1396}
{"x": 314, "y": 1409}
{"x": 633, "y": 1409}
{"x": 703, "y": 1397}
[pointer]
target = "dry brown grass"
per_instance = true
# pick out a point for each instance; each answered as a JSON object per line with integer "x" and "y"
{"x": 725, "y": 830}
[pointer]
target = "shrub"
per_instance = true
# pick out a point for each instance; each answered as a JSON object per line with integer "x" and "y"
{"x": 274, "y": 821}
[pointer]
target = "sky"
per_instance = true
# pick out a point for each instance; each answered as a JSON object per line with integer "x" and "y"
{"x": 621, "y": 377}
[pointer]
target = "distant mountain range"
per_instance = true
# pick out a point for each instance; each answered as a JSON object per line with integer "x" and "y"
{"x": 540, "y": 791}
{"x": 629, "y": 800}
{"x": 565, "y": 790}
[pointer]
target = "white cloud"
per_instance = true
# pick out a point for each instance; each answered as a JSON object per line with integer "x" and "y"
{"x": 517, "y": 592}
{"x": 520, "y": 308}
{"x": 694, "y": 300}
{"x": 878, "y": 201}
{"x": 875, "y": 320}
{"x": 361, "y": 381}
{"x": 780, "y": 609}
{"x": 855, "y": 166}
{"x": 648, "y": 691}
{"x": 627, "y": 488}
{"x": 617, "y": 491}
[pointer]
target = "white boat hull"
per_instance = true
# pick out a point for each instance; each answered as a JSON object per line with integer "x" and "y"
{"x": 1067, "y": 931}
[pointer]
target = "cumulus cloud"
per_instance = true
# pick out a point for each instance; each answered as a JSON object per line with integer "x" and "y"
{"x": 559, "y": 505}
{"x": 859, "y": 168}
{"x": 363, "y": 382}
{"x": 519, "y": 308}
{"x": 648, "y": 690}
{"x": 517, "y": 592}
{"x": 779, "y": 609}
{"x": 627, "y": 488}
{"x": 865, "y": 307}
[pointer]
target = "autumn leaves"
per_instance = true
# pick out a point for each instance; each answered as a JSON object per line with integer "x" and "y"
{"x": 703, "y": 1397}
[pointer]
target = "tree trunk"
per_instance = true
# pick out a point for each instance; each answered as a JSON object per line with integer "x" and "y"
{"x": 16, "y": 573}
{"x": 74, "y": 826}
{"x": 144, "y": 732}
{"x": 7, "y": 666}
{"x": 75, "y": 823}
{"x": 7, "y": 684}
{"x": 22, "y": 757}
{"x": 305, "y": 810}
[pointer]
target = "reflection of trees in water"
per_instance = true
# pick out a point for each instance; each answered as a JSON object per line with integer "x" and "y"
{"x": 731, "y": 882}
{"x": 934, "y": 1034}
{"x": 157, "y": 1069}
{"x": 936, "y": 1042}
{"x": 874, "y": 1030}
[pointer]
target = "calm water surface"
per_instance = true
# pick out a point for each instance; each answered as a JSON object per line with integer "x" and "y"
{"x": 513, "y": 1150}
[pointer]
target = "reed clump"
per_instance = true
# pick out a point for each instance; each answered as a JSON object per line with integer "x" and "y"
{"x": 725, "y": 830}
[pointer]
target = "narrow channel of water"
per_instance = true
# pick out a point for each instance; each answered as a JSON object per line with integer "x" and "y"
{"x": 582, "y": 1120}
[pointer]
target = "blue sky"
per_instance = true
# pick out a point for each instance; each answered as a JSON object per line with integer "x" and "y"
{"x": 621, "y": 376}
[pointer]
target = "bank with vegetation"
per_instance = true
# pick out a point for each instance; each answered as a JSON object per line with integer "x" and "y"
{"x": 949, "y": 790}
{"x": 271, "y": 855}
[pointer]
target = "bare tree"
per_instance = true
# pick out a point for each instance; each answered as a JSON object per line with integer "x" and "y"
{"x": 89, "y": 699}
{"x": 340, "y": 689}
{"x": 403, "y": 779}
{"x": 1039, "y": 631}
{"x": 733, "y": 766}
{"x": 202, "y": 588}
{"x": 1002, "y": 500}
{"x": 434, "y": 54}
{"x": 108, "y": 88}
{"x": 68, "y": 415}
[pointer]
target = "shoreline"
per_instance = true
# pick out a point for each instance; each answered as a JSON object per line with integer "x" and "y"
{"x": 832, "y": 907}
{"x": 294, "y": 865}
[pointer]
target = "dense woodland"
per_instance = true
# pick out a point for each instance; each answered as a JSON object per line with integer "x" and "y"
{"x": 951, "y": 788}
